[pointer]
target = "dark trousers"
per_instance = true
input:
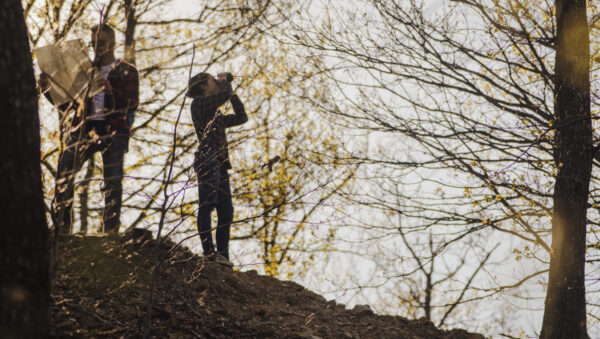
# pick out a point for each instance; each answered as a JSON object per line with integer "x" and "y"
{"x": 75, "y": 154}
{"x": 213, "y": 193}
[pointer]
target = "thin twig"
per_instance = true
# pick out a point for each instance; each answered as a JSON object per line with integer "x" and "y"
{"x": 163, "y": 212}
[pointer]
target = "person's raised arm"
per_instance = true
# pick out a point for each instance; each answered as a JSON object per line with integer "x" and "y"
{"x": 212, "y": 102}
{"x": 239, "y": 117}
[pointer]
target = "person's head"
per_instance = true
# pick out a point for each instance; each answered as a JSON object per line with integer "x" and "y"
{"x": 103, "y": 40}
{"x": 202, "y": 84}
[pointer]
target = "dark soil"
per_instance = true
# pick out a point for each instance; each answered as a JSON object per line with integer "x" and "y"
{"x": 102, "y": 288}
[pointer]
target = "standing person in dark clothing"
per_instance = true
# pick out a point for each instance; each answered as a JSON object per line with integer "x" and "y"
{"x": 103, "y": 124}
{"x": 211, "y": 161}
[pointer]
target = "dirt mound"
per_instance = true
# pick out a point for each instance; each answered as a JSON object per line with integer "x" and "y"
{"x": 102, "y": 287}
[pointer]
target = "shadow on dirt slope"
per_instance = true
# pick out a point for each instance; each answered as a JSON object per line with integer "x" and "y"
{"x": 102, "y": 286}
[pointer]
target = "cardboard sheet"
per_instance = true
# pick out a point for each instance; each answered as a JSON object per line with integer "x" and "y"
{"x": 70, "y": 69}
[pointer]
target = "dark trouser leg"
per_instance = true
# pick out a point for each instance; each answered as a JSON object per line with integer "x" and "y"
{"x": 208, "y": 180}
{"x": 204, "y": 229}
{"x": 112, "y": 159}
{"x": 224, "y": 213}
{"x": 69, "y": 163}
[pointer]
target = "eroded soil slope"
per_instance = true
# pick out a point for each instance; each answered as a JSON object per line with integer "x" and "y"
{"x": 102, "y": 287}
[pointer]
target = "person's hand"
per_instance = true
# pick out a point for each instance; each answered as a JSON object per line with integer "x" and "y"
{"x": 226, "y": 77}
{"x": 224, "y": 81}
{"x": 44, "y": 82}
{"x": 222, "y": 77}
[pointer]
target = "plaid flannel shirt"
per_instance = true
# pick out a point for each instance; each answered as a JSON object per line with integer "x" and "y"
{"x": 118, "y": 105}
{"x": 210, "y": 124}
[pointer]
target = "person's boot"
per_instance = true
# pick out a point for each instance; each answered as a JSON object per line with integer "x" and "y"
{"x": 111, "y": 227}
{"x": 222, "y": 260}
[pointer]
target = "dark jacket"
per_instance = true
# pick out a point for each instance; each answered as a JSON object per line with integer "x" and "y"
{"x": 210, "y": 124}
{"x": 119, "y": 105}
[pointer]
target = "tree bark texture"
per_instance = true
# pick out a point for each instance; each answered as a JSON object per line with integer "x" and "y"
{"x": 24, "y": 286}
{"x": 130, "y": 31}
{"x": 564, "y": 313}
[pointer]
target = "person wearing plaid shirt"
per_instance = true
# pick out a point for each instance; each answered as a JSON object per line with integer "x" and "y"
{"x": 211, "y": 161}
{"x": 103, "y": 124}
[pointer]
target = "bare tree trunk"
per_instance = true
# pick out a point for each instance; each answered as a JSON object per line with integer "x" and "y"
{"x": 130, "y": 31}
{"x": 564, "y": 313}
{"x": 24, "y": 283}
